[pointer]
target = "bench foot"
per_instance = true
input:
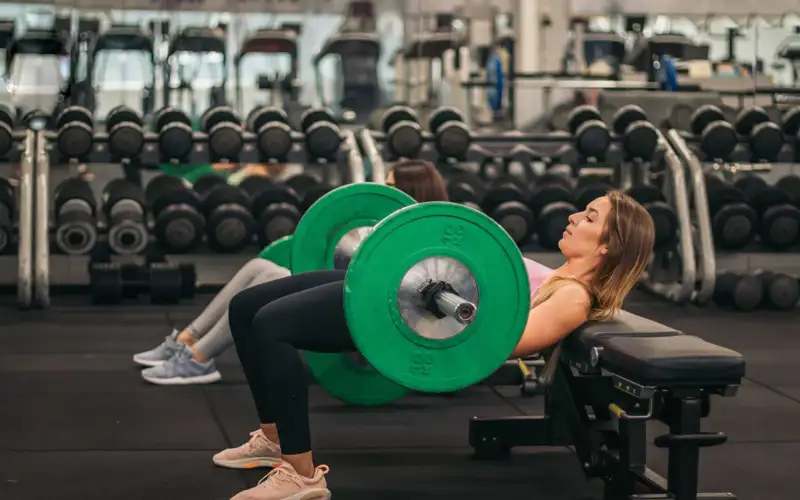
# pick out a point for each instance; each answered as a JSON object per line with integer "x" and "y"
{"x": 493, "y": 438}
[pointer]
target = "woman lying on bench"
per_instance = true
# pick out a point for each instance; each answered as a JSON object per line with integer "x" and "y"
{"x": 187, "y": 357}
{"x": 607, "y": 247}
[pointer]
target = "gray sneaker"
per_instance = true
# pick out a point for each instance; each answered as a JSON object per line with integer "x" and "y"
{"x": 157, "y": 356}
{"x": 182, "y": 369}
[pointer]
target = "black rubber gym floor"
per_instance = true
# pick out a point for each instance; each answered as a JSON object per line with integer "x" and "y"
{"x": 77, "y": 422}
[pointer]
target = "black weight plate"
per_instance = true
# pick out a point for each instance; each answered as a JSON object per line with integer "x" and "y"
{"x": 162, "y": 185}
{"x": 225, "y": 140}
{"x": 171, "y": 116}
{"x": 6, "y": 138}
{"x": 277, "y": 221}
{"x": 206, "y": 183}
{"x": 680, "y": 117}
{"x": 516, "y": 219}
{"x": 72, "y": 188}
{"x": 313, "y": 194}
{"x": 323, "y": 139}
{"x": 253, "y": 184}
{"x": 121, "y": 189}
{"x": 442, "y": 115}
{"x": 174, "y": 199}
{"x": 592, "y": 139}
{"x": 263, "y": 115}
{"x": 791, "y": 122}
{"x": 580, "y": 115}
{"x": 625, "y": 116}
{"x": 397, "y": 114}
{"x": 640, "y": 140}
{"x": 175, "y": 140}
{"x": 747, "y": 293}
{"x": 75, "y": 140}
{"x": 74, "y": 114}
{"x": 224, "y": 194}
{"x": 125, "y": 140}
{"x": 749, "y": 117}
{"x": 165, "y": 283}
{"x": 780, "y": 226}
{"x": 314, "y": 116}
{"x": 500, "y": 194}
{"x": 589, "y": 192}
{"x": 274, "y": 140}
{"x": 551, "y": 223}
{"x": 766, "y": 141}
{"x": 6, "y": 116}
{"x": 229, "y": 228}
{"x": 121, "y": 114}
{"x": 216, "y": 115}
{"x": 301, "y": 183}
{"x": 704, "y": 116}
{"x": 734, "y": 226}
{"x": 179, "y": 228}
{"x": 790, "y": 185}
{"x": 275, "y": 194}
{"x": 718, "y": 140}
{"x": 452, "y": 139}
{"x": 645, "y": 194}
{"x": 781, "y": 291}
{"x": 542, "y": 196}
{"x": 465, "y": 187}
{"x": 404, "y": 139}
{"x": 720, "y": 194}
{"x": 665, "y": 222}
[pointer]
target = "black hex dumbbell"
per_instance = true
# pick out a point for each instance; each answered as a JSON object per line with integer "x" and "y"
{"x": 227, "y": 209}
{"x": 6, "y": 130}
{"x": 275, "y": 207}
{"x": 403, "y": 132}
{"x": 8, "y": 210}
{"x": 765, "y": 136}
{"x": 590, "y": 188}
{"x": 125, "y": 132}
{"x": 175, "y": 209}
{"x": 75, "y": 126}
{"x": 466, "y": 189}
{"x": 75, "y": 210}
{"x": 779, "y": 225}
{"x": 639, "y": 136}
{"x": 717, "y": 136}
{"x": 665, "y": 220}
{"x": 175, "y": 135}
{"x": 552, "y": 203}
{"x": 125, "y": 209}
{"x": 791, "y": 125}
{"x": 505, "y": 202}
{"x": 733, "y": 221}
{"x": 589, "y": 131}
{"x": 322, "y": 136}
{"x": 781, "y": 291}
{"x": 273, "y": 133}
{"x": 790, "y": 184}
{"x": 740, "y": 291}
{"x": 308, "y": 188}
{"x": 222, "y": 125}
{"x": 452, "y": 137}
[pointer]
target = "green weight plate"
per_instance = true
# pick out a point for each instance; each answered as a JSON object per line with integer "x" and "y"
{"x": 343, "y": 209}
{"x": 279, "y": 251}
{"x": 344, "y": 377}
{"x": 440, "y": 241}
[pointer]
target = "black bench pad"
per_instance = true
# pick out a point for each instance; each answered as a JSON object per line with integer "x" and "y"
{"x": 623, "y": 324}
{"x": 670, "y": 361}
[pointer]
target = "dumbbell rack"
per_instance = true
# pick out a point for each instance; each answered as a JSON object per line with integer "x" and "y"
{"x": 17, "y": 267}
{"x": 70, "y": 272}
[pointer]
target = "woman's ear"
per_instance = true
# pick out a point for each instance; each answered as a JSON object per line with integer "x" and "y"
{"x": 602, "y": 249}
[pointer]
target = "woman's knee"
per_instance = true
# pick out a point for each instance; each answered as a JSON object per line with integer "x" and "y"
{"x": 270, "y": 323}
{"x": 241, "y": 310}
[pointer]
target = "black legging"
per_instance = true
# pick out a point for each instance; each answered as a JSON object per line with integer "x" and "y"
{"x": 270, "y": 323}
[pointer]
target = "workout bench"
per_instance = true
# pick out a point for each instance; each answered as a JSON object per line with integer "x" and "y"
{"x": 627, "y": 370}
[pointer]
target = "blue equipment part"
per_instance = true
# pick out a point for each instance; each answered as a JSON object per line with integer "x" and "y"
{"x": 495, "y": 78}
{"x": 668, "y": 74}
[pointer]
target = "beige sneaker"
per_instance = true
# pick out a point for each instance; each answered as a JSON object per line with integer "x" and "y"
{"x": 257, "y": 452}
{"x": 284, "y": 483}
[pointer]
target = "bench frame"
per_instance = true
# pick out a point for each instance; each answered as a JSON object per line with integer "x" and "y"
{"x": 611, "y": 442}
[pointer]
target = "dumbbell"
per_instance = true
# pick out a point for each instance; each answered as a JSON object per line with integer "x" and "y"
{"x": 781, "y": 291}
{"x": 791, "y": 124}
{"x": 717, "y": 136}
{"x": 639, "y": 136}
{"x": 308, "y": 188}
{"x": 229, "y": 221}
{"x": 222, "y": 125}
{"x": 466, "y": 189}
{"x": 313, "y": 194}
{"x": 451, "y": 134}
{"x": 125, "y": 132}
{"x": 590, "y": 188}
{"x": 733, "y": 221}
{"x": 505, "y": 203}
{"x": 6, "y": 130}
{"x": 275, "y": 208}
{"x": 403, "y": 132}
{"x": 591, "y": 135}
{"x": 790, "y": 184}
{"x": 124, "y": 207}
{"x": 75, "y": 211}
{"x": 665, "y": 220}
{"x": 740, "y": 291}
{"x": 36, "y": 120}
{"x": 273, "y": 133}
{"x": 175, "y": 209}
{"x": 765, "y": 137}
{"x": 322, "y": 135}
{"x": 75, "y": 126}
{"x": 175, "y": 136}
{"x": 552, "y": 203}
{"x": 779, "y": 226}
{"x": 8, "y": 209}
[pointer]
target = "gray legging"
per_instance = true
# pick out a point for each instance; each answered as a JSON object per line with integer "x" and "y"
{"x": 211, "y": 329}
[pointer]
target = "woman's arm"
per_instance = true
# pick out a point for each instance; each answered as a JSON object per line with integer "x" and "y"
{"x": 554, "y": 319}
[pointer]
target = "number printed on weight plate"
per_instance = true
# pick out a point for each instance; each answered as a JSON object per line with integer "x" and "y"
{"x": 421, "y": 363}
{"x": 453, "y": 235}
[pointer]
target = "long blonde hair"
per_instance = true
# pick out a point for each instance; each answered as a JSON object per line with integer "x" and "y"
{"x": 629, "y": 235}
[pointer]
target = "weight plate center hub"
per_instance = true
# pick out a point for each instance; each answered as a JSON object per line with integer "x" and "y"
{"x": 347, "y": 246}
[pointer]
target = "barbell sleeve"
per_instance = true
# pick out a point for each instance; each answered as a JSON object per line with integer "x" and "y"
{"x": 458, "y": 308}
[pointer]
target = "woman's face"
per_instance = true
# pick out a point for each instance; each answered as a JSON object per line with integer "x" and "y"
{"x": 583, "y": 236}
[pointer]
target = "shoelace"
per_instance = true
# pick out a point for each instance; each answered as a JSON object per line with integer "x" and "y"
{"x": 255, "y": 437}
{"x": 282, "y": 475}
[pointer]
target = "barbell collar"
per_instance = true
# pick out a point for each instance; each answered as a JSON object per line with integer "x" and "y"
{"x": 455, "y": 306}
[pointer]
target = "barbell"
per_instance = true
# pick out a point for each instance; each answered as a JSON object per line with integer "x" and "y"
{"x": 416, "y": 298}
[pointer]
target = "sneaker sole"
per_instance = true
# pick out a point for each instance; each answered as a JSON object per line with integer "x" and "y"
{"x": 249, "y": 463}
{"x": 319, "y": 494}
{"x": 202, "y": 379}
{"x": 147, "y": 362}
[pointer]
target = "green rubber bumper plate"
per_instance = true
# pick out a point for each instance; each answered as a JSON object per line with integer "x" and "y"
{"x": 372, "y": 297}
{"x": 352, "y": 381}
{"x": 279, "y": 252}
{"x": 336, "y": 213}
